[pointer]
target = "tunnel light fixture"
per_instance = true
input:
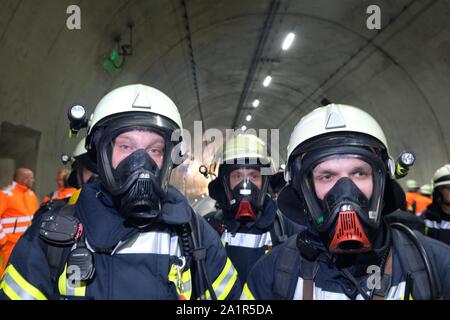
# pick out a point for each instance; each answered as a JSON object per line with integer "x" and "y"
{"x": 243, "y": 128}
{"x": 248, "y": 118}
{"x": 288, "y": 40}
{"x": 255, "y": 103}
{"x": 267, "y": 81}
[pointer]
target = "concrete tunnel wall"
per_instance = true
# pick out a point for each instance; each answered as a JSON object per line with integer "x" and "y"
{"x": 400, "y": 74}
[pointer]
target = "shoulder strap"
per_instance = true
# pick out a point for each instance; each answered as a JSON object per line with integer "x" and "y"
{"x": 278, "y": 231}
{"x": 57, "y": 254}
{"x": 288, "y": 266}
{"x": 286, "y": 270}
{"x": 415, "y": 262}
{"x": 215, "y": 220}
{"x": 385, "y": 285}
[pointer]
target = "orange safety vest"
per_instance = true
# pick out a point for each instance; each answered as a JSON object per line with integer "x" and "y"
{"x": 60, "y": 194}
{"x": 17, "y": 207}
{"x": 411, "y": 200}
{"x": 2, "y": 236}
{"x": 422, "y": 202}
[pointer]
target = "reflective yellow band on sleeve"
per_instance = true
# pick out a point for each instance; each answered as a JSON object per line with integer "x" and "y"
{"x": 17, "y": 288}
{"x": 74, "y": 198}
{"x": 224, "y": 282}
{"x": 246, "y": 294}
{"x": 183, "y": 285}
{"x": 70, "y": 286}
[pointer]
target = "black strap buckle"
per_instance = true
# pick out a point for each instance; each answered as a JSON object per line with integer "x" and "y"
{"x": 58, "y": 229}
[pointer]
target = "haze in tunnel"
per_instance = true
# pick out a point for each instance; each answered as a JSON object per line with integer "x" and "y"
{"x": 211, "y": 58}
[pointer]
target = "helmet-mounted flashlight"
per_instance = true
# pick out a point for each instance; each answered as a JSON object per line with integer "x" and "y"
{"x": 203, "y": 170}
{"x": 404, "y": 162}
{"x": 77, "y": 119}
{"x": 65, "y": 158}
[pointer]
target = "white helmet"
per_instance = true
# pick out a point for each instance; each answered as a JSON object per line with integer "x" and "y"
{"x": 80, "y": 149}
{"x": 81, "y": 161}
{"x": 135, "y": 98}
{"x": 82, "y": 158}
{"x": 337, "y": 131}
{"x": 135, "y": 107}
{"x": 426, "y": 189}
{"x": 442, "y": 176}
{"x": 412, "y": 184}
{"x": 335, "y": 118}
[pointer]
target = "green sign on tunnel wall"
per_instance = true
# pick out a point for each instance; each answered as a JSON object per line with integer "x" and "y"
{"x": 113, "y": 62}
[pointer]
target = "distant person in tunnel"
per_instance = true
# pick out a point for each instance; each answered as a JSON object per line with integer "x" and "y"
{"x": 423, "y": 200}
{"x": 83, "y": 171}
{"x": 437, "y": 215}
{"x": 18, "y": 203}
{"x": 339, "y": 162}
{"x": 64, "y": 190}
{"x": 412, "y": 193}
{"x": 130, "y": 235}
{"x": 248, "y": 220}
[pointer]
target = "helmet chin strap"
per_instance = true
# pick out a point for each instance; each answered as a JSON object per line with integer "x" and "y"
{"x": 349, "y": 236}
{"x": 245, "y": 212}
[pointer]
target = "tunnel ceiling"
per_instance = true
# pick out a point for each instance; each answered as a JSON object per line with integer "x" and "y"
{"x": 212, "y": 56}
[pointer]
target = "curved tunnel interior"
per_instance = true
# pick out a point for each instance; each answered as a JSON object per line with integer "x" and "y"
{"x": 211, "y": 58}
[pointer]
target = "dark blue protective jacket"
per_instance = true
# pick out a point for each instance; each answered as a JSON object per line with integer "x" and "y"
{"x": 129, "y": 263}
{"x": 246, "y": 243}
{"x": 271, "y": 278}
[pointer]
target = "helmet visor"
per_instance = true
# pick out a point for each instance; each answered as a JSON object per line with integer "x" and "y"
{"x": 245, "y": 181}
{"x": 320, "y": 182}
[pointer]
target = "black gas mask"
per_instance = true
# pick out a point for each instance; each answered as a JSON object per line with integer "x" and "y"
{"x": 137, "y": 185}
{"x": 244, "y": 202}
{"x": 345, "y": 204}
{"x": 141, "y": 193}
{"x": 346, "y": 219}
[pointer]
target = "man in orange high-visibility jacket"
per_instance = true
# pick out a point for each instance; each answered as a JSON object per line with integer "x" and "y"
{"x": 18, "y": 203}
{"x": 64, "y": 191}
{"x": 424, "y": 199}
{"x": 411, "y": 195}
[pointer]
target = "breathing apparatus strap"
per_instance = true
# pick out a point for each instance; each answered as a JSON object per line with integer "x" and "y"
{"x": 199, "y": 257}
{"x": 416, "y": 264}
{"x": 380, "y": 294}
{"x": 278, "y": 231}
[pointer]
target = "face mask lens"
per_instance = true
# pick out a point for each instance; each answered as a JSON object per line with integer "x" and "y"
{"x": 243, "y": 187}
{"x": 325, "y": 191}
{"x": 244, "y": 178}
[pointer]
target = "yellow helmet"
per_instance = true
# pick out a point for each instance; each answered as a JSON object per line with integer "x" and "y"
{"x": 245, "y": 146}
{"x": 243, "y": 151}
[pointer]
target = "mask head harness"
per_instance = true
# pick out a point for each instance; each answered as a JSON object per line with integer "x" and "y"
{"x": 345, "y": 218}
{"x": 245, "y": 201}
{"x": 137, "y": 184}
